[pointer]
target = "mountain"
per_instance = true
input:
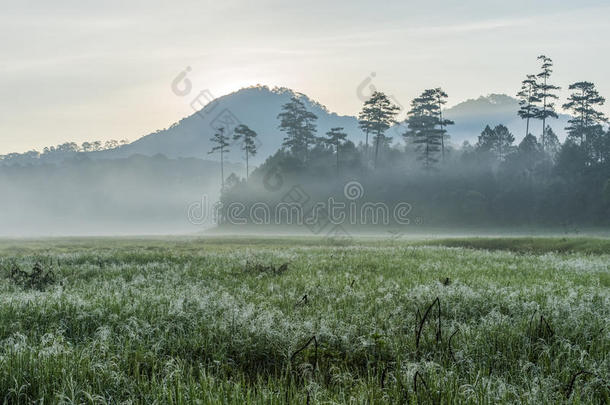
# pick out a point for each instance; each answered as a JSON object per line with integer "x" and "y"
{"x": 256, "y": 107}
{"x": 472, "y": 115}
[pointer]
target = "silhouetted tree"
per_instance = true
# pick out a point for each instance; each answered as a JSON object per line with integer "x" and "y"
{"x": 111, "y": 144}
{"x": 551, "y": 144}
{"x": 247, "y": 136}
{"x": 441, "y": 100}
{"x": 586, "y": 125}
{"x": 497, "y": 141}
{"x": 222, "y": 144}
{"x": 336, "y": 138}
{"x": 529, "y": 152}
{"x": 582, "y": 102}
{"x": 380, "y": 114}
{"x": 424, "y": 127}
{"x": 299, "y": 126}
{"x": 545, "y": 93}
{"x": 528, "y": 97}
{"x": 365, "y": 123}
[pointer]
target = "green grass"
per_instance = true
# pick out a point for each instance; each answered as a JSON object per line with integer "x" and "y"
{"x": 530, "y": 245}
{"x": 195, "y": 321}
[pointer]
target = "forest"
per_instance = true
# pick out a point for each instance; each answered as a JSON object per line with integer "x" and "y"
{"x": 496, "y": 181}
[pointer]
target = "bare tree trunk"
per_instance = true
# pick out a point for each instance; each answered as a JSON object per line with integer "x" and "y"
{"x": 440, "y": 111}
{"x": 377, "y": 148}
{"x": 544, "y": 116}
{"x": 337, "y": 158}
{"x": 222, "y": 171}
{"x": 367, "y": 146}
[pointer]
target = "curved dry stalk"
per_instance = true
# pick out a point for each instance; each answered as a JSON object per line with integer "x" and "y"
{"x": 450, "y": 348}
{"x": 312, "y": 339}
{"x": 437, "y": 301}
{"x": 570, "y": 386}
{"x": 421, "y": 378}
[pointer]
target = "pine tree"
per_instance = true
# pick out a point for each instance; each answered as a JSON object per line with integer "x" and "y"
{"x": 528, "y": 97}
{"x": 378, "y": 114}
{"x": 486, "y": 140}
{"x": 551, "y": 144}
{"x": 336, "y": 138}
{"x": 424, "y": 127}
{"x": 365, "y": 123}
{"x": 441, "y": 100}
{"x": 546, "y": 93}
{"x": 529, "y": 153}
{"x": 222, "y": 144}
{"x": 309, "y": 130}
{"x": 497, "y": 141}
{"x": 243, "y": 132}
{"x": 585, "y": 127}
{"x": 299, "y": 126}
{"x": 582, "y": 102}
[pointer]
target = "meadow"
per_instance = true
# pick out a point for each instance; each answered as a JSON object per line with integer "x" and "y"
{"x": 305, "y": 320}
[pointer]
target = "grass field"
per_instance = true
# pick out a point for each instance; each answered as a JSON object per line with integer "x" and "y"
{"x": 371, "y": 321}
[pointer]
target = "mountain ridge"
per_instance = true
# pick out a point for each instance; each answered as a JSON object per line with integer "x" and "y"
{"x": 258, "y": 107}
{"x": 255, "y": 106}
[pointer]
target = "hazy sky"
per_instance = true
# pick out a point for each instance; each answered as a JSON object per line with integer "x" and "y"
{"x": 82, "y": 70}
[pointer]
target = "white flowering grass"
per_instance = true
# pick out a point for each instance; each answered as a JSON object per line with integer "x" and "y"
{"x": 193, "y": 321}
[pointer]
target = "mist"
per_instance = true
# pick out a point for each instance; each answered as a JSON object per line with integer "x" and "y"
{"x": 81, "y": 196}
{"x": 262, "y": 160}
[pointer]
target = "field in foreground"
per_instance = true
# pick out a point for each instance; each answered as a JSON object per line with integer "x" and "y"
{"x": 373, "y": 321}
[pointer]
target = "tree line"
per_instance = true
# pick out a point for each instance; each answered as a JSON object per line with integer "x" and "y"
{"x": 540, "y": 173}
{"x": 61, "y": 151}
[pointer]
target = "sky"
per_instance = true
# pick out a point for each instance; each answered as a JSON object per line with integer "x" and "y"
{"x": 82, "y": 70}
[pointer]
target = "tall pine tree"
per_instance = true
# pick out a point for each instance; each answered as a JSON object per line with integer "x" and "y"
{"x": 546, "y": 93}
{"x": 365, "y": 123}
{"x": 424, "y": 127}
{"x": 336, "y": 138}
{"x": 378, "y": 114}
{"x": 245, "y": 134}
{"x": 441, "y": 100}
{"x": 585, "y": 127}
{"x": 299, "y": 126}
{"x": 528, "y": 98}
{"x": 221, "y": 142}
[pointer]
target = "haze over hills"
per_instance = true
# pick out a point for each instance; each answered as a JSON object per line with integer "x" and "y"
{"x": 150, "y": 185}
{"x": 472, "y": 115}
{"x": 259, "y": 106}
{"x": 256, "y": 107}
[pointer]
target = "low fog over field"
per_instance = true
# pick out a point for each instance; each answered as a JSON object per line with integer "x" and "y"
{"x": 82, "y": 196}
{"x": 389, "y": 170}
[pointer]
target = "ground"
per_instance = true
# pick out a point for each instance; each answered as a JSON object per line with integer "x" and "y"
{"x": 305, "y": 320}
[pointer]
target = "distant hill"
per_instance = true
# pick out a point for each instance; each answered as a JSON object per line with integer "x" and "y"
{"x": 472, "y": 115}
{"x": 259, "y": 106}
{"x": 256, "y": 107}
